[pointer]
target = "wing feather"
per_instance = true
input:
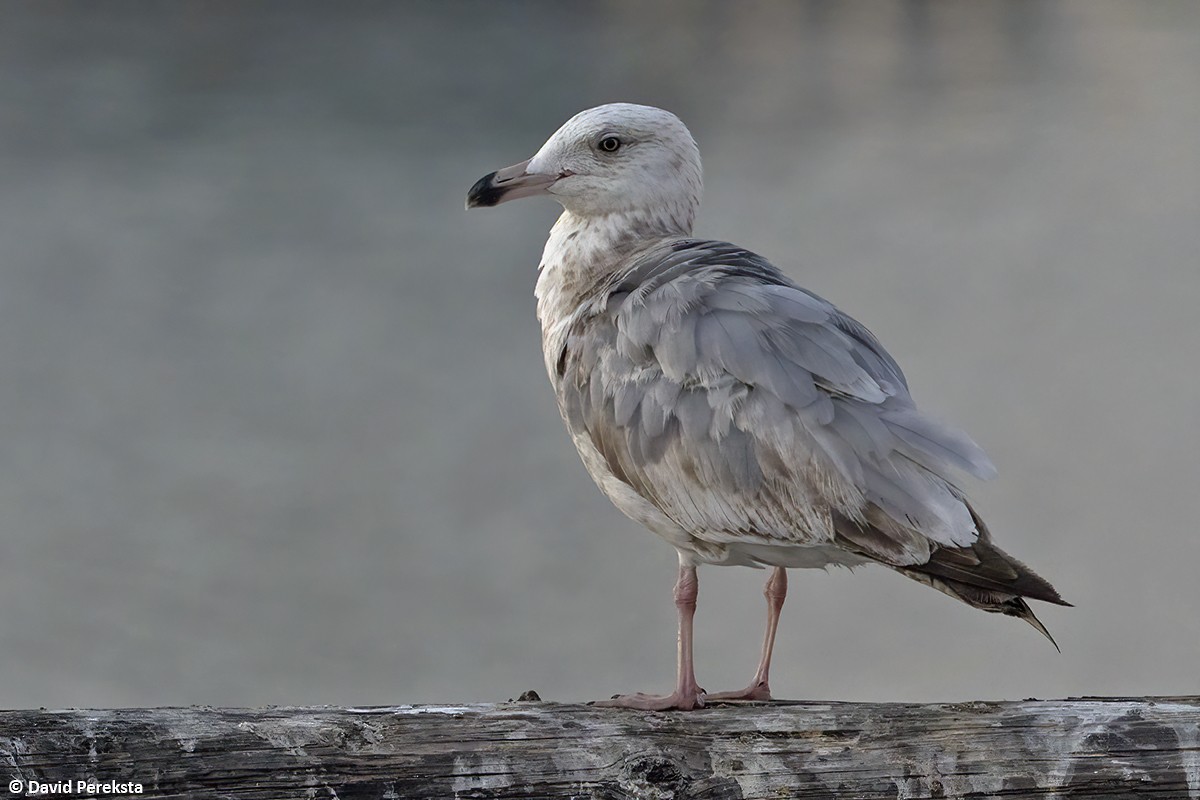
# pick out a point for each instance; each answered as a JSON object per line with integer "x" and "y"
{"x": 744, "y": 406}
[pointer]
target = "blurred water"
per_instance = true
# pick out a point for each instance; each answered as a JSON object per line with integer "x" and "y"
{"x": 274, "y": 422}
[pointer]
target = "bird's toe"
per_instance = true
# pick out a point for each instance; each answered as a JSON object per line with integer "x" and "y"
{"x": 760, "y": 692}
{"x": 675, "y": 701}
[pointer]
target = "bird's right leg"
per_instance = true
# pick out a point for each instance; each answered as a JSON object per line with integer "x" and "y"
{"x": 687, "y": 694}
{"x": 760, "y": 687}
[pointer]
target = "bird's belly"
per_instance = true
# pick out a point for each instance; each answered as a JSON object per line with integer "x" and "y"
{"x": 706, "y": 550}
{"x": 631, "y": 504}
{"x": 814, "y": 556}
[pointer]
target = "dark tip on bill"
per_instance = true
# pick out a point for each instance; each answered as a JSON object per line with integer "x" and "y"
{"x": 484, "y": 192}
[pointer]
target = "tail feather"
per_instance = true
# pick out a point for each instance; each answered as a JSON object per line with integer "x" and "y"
{"x": 980, "y": 575}
{"x": 986, "y": 599}
{"x": 986, "y": 567}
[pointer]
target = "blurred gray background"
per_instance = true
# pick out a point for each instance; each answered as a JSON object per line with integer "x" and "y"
{"x": 274, "y": 426}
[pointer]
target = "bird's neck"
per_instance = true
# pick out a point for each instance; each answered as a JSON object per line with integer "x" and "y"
{"x": 582, "y": 250}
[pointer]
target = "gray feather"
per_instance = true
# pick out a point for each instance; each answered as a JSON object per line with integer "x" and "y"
{"x": 739, "y": 404}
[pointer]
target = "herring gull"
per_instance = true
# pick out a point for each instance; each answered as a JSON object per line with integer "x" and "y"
{"x": 744, "y": 419}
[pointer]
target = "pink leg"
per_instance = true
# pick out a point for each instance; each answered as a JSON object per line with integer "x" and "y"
{"x": 760, "y": 687}
{"x": 687, "y": 694}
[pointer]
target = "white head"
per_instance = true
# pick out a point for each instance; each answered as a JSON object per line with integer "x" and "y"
{"x": 613, "y": 159}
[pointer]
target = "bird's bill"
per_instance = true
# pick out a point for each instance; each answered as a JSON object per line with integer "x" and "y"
{"x": 509, "y": 183}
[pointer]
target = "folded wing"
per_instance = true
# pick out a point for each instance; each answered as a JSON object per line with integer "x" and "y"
{"x": 748, "y": 409}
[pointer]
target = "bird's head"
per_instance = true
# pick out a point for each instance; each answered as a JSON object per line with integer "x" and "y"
{"x": 612, "y": 159}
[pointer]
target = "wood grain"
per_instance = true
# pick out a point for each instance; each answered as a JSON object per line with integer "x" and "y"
{"x": 1092, "y": 747}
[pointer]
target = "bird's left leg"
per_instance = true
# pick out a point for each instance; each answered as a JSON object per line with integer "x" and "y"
{"x": 687, "y": 694}
{"x": 760, "y": 688}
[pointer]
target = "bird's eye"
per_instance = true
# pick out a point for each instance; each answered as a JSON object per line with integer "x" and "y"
{"x": 610, "y": 144}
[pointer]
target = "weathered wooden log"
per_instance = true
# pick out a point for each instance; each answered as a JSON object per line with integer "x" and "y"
{"x": 1094, "y": 747}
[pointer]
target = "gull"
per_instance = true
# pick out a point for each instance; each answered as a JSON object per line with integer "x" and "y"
{"x": 742, "y": 418}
